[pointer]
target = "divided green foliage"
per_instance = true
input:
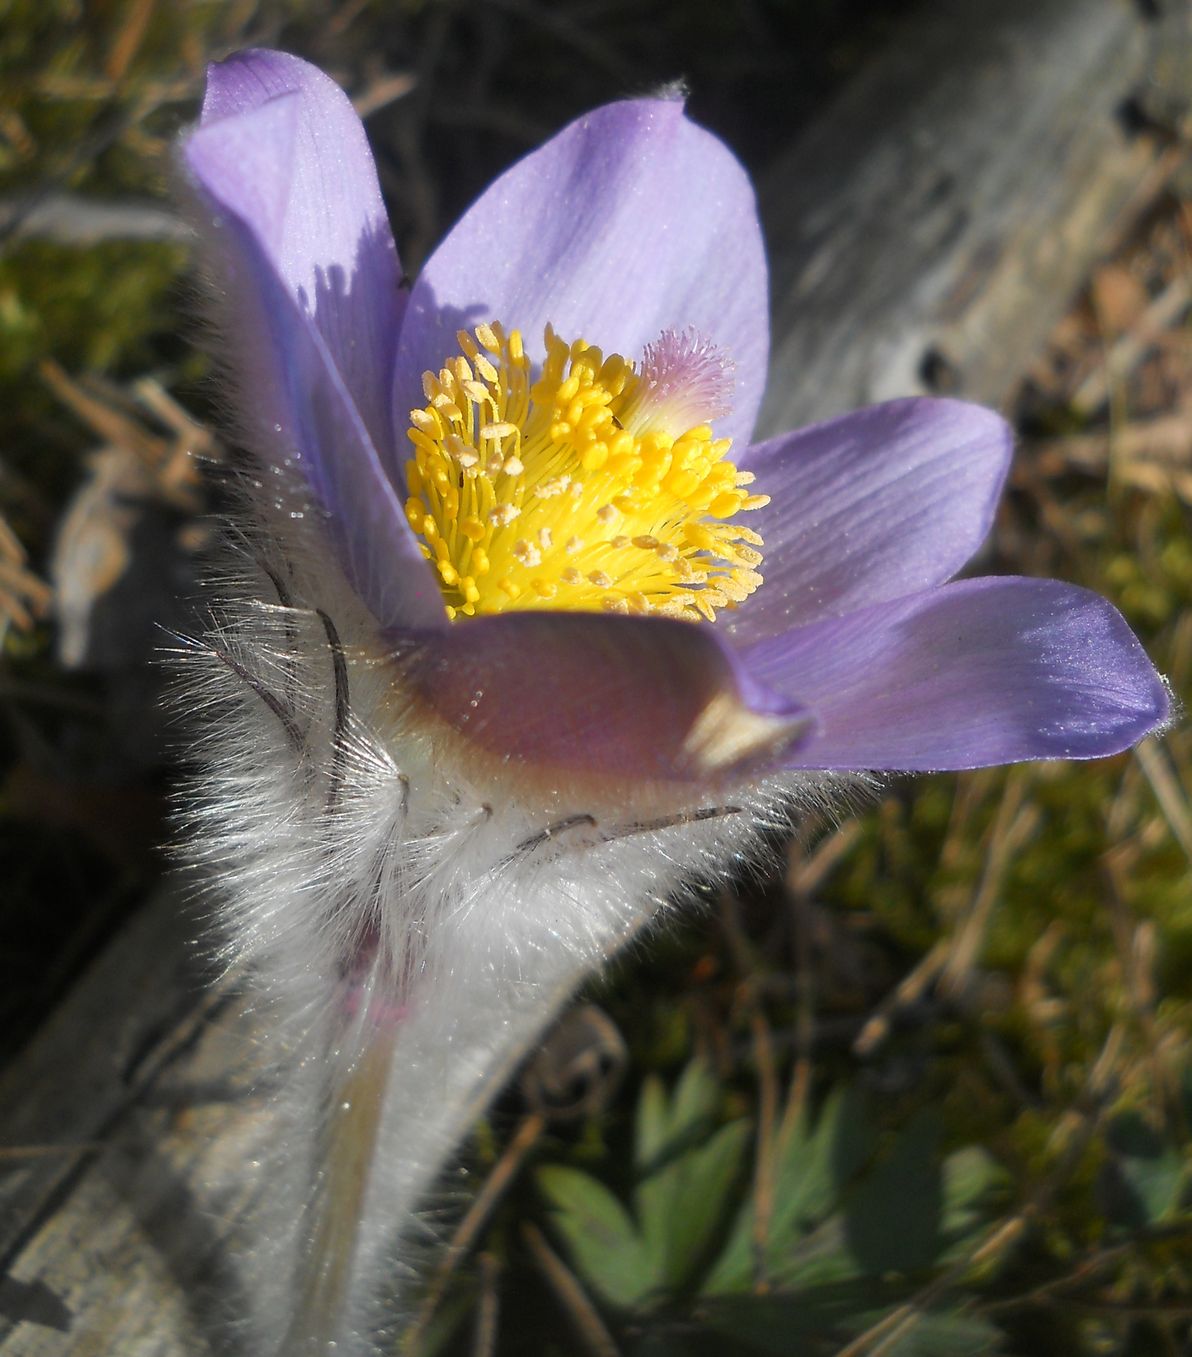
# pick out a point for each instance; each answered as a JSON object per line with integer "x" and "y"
{"x": 860, "y": 1221}
{"x": 685, "y": 1170}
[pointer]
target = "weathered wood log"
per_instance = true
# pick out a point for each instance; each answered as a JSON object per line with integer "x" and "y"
{"x": 929, "y": 230}
{"x": 925, "y": 234}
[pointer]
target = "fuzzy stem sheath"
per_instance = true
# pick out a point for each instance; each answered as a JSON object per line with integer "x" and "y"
{"x": 346, "y": 1154}
{"x": 406, "y": 925}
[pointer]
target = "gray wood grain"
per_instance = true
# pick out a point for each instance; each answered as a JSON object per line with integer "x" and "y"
{"x": 932, "y": 226}
{"x": 128, "y": 1130}
{"x": 927, "y": 232}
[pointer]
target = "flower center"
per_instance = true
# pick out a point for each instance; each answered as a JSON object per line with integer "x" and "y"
{"x": 596, "y": 487}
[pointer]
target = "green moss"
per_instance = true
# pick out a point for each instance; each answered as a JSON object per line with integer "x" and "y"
{"x": 104, "y": 309}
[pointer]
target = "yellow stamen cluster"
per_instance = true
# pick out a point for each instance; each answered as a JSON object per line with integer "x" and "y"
{"x": 568, "y": 492}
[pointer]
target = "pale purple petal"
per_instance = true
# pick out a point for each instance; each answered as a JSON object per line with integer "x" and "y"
{"x": 873, "y": 505}
{"x": 978, "y": 672}
{"x": 603, "y": 696}
{"x": 315, "y": 207}
{"x": 296, "y": 411}
{"x": 630, "y": 222}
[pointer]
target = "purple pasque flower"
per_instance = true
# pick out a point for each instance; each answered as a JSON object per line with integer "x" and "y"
{"x": 584, "y": 575}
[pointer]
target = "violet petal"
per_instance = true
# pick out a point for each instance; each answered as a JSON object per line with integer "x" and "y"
{"x": 603, "y": 696}
{"x": 293, "y": 402}
{"x": 318, "y": 216}
{"x": 630, "y": 221}
{"x": 978, "y": 672}
{"x": 874, "y": 505}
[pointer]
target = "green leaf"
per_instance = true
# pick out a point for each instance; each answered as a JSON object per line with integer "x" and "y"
{"x": 805, "y": 1323}
{"x": 666, "y": 1127}
{"x": 812, "y": 1176}
{"x": 1144, "y": 1180}
{"x": 701, "y": 1183}
{"x": 820, "y": 1320}
{"x": 970, "y": 1176}
{"x": 685, "y": 1177}
{"x": 652, "y": 1126}
{"x": 892, "y": 1221}
{"x": 599, "y": 1235}
{"x": 819, "y": 1160}
{"x": 695, "y": 1099}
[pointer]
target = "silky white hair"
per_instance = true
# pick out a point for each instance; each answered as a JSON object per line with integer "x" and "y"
{"x": 406, "y": 922}
{"x": 405, "y": 915}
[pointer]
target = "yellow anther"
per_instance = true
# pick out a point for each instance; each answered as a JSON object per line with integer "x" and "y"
{"x": 619, "y": 506}
{"x": 725, "y": 504}
{"x": 527, "y": 553}
{"x": 500, "y": 430}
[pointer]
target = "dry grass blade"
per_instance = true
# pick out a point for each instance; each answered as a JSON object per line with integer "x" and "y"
{"x": 495, "y": 1186}
{"x": 24, "y": 597}
{"x": 1128, "y": 351}
{"x": 1016, "y": 822}
{"x": 1172, "y": 800}
{"x": 589, "y": 1327}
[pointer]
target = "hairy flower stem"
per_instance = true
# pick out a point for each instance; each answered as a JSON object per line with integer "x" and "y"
{"x": 413, "y": 1090}
{"x": 346, "y": 1158}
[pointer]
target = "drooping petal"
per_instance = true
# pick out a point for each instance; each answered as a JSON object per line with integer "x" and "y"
{"x": 630, "y": 222}
{"x": 296, "y": 409}
{"x": 315, "y": 207}
{"x": 604, "y": 697}
{"x": 874, "y": 505}
{"x": 978, "y": 672}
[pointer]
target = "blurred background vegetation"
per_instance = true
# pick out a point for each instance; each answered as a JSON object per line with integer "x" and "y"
{"x": 926, "y": 1090}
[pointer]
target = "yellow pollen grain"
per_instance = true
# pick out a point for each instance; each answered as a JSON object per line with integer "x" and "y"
{"x": 615, "y": 512}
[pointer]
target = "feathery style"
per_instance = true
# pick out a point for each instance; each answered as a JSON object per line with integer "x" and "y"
{"x": 518, "y": 634}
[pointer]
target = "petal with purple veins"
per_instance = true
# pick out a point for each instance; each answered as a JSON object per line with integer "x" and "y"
{"x": 978, "y": 672}
{"x": 312, "y": 198}
{"x": 630, "y": 222}
{"x": 870, "y": 506}
{"x": 293, "y": 402}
